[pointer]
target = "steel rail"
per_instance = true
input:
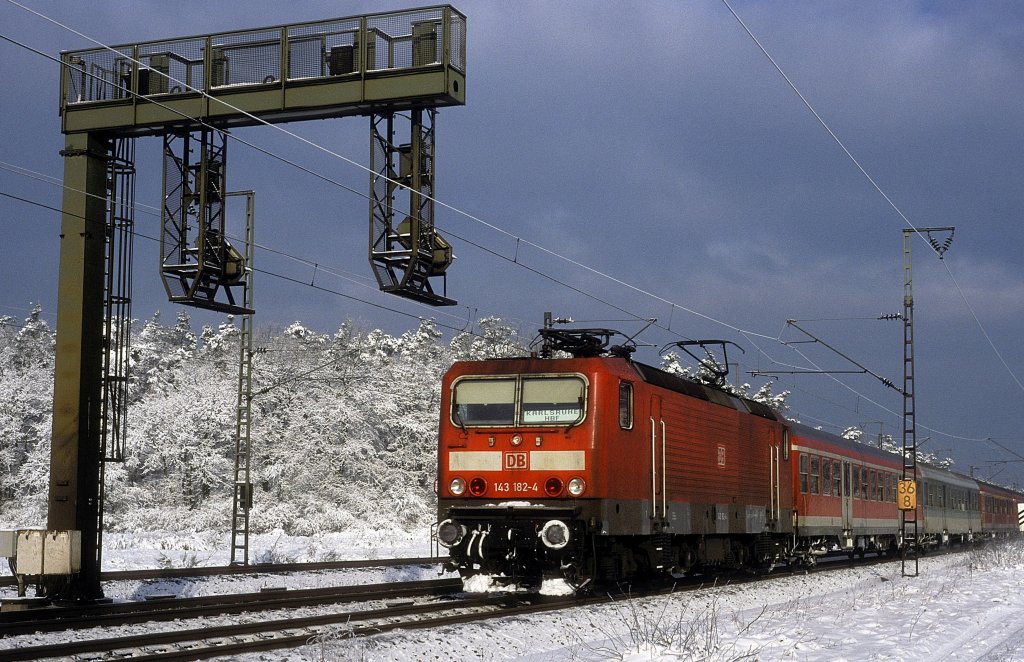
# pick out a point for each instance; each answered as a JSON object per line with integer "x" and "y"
{"x": 111, "y": 615}
{"x": 209, "y": 571}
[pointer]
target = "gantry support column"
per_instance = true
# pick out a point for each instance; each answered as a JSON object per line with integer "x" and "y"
{"x": 76, "y": 453}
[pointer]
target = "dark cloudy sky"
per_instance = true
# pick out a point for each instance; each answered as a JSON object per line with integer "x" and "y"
{"x": 651, "y": 156}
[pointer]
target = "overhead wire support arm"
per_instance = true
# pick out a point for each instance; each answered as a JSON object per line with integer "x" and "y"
{"x": 759, "y": 373}
{"x": 885, "y": 381}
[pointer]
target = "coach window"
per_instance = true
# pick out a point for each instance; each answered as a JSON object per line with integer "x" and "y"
{"x": 625, "y": 405}
{"x": 874, "y": 486}
{"x": 864, "y": 483}
{"x": 814, "y": 474}
{"x": 826, "y": 477}
{"x": 846, "y": 479}
{"x": 803, "y": 472}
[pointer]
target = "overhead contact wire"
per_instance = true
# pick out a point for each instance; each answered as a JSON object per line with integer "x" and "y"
{"x": 875, "y": 185}
{"x": 745, "y": 332}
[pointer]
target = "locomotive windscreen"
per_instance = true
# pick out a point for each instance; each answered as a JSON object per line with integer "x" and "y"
{"x": 485, "y": 401}
{"x": 518, "y": 400}
{"x": 552, "y": 400}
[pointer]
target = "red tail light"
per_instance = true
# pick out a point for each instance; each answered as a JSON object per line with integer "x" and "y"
{"x": 477, "y": 486}
{"x": 553, "y": 487}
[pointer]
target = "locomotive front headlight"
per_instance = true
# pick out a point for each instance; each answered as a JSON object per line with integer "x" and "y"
{"x": 517, "y": 439}
{"x": 450, "y": 534}
{"x": 457, "y": 486}
{"x": 576, "y": 486}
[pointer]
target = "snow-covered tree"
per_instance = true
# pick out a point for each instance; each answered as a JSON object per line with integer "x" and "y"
{"x": 709, "y": 372}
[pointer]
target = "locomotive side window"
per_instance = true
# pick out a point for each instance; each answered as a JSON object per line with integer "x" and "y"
{"x": 552, "y": 400}
{"x": 625, "y": 405}
{"x": 803, "y": 472}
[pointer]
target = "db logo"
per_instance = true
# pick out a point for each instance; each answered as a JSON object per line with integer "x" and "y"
{"x": 516, "y": 461}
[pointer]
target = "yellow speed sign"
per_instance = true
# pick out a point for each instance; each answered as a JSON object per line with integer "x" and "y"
{"x": 906, "y": 495}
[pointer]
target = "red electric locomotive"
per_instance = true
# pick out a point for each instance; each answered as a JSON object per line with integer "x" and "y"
{"x": 598, "y": 466}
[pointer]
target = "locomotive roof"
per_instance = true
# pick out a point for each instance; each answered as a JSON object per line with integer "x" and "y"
{"x": 667, "y": 380}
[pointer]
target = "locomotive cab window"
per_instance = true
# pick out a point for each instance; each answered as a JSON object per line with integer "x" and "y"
{"x": 518, "y": 400}
{"x": 484, "y": 402}
{"x": 552, "y": 400}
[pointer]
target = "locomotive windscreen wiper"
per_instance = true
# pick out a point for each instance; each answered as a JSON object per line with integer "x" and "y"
{"x": 579, "y": 419}
{"x": 455, "y": 411}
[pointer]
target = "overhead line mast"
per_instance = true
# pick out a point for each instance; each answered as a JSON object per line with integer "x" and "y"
{"x": 907, "y": 493}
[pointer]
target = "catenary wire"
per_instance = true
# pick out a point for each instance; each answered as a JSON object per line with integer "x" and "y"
{"x": 877, "y": 188}
{"x": 330, "y": 152}
{"x": 519, "y": 239}
{"x": 463, "y": 329}
{"x": 257, "y": 270}
{"x": 153, "y": 211}
{"x": 515, "y": 260}
{"x": 746, "y": 332}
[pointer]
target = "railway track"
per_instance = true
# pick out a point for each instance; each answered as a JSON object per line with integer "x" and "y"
{"x": 76, "y": 617}
{"x": 413, "y": 605}
{"x": 263, "y": 634}
{"x": 211, "y": 571}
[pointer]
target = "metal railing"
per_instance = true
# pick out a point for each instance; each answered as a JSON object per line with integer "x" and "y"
{"x": 355, "y": 46}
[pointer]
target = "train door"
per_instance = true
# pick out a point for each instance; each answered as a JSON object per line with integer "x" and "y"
{"x": 659, "y": 500}
{"x": 847, "y": 497}
{"x": 774, "y": 481}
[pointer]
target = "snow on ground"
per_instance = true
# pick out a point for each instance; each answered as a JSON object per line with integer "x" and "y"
{"x": 966, "y": 606}
{"x": 162, "y": 549}
{"x": 960, "y": 607}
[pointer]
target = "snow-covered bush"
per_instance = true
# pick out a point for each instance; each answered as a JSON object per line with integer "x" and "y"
{"x": 343, "y": 432}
